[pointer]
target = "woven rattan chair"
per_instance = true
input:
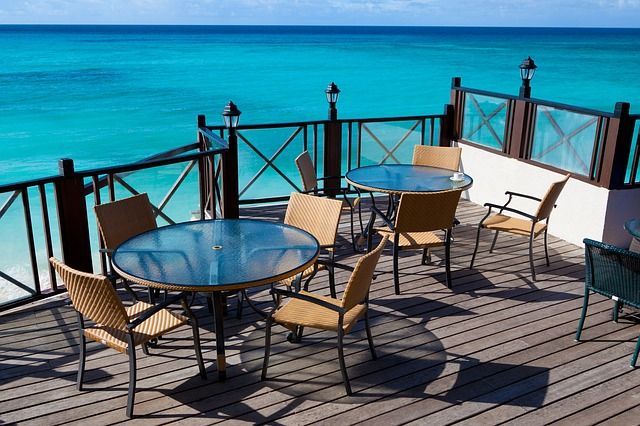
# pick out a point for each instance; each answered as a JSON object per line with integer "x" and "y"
{"x": 417, "y": 219}
{"x": 119, "y": 327}
{"x": 327, "y": 313}
{"x": 612, "y": 272}
{"x": 310, "y": 186}
{"x": 531, "y": 226}
{"x": 443, "y": 157}
{"x": 319, "y": 217}
{"x": 122, "y": 219}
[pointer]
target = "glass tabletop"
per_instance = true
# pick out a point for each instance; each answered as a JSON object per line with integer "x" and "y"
{"x": 216, "y": 254}
{"x": 398, "y": 178}
{"x": 633, "y": 227}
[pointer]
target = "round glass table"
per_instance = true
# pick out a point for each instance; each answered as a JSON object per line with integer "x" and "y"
{"x": 216, "y": 256}
{"x": 633, "y": 227}
{"x": 399, "y": 178}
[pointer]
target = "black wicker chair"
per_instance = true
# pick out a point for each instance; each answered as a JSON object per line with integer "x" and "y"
{"x": 615, "y": 273}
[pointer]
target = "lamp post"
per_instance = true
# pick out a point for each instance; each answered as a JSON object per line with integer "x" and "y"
{"x": 332, "y": 93}
{"x": 230, "y": 189}
{"x": 527, "y": 71}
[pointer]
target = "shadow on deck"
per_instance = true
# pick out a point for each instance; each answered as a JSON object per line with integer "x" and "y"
{"x": 497, "y": 347}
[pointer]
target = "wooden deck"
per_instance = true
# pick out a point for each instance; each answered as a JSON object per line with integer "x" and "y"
{"x": 496, "y": 348}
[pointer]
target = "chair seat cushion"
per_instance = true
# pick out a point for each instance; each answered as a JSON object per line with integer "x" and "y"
{"x": 413, "y": 239}
{"x": 513, "y": 225}
{"x": 160, "y": 323}
{"x": 300, "y": 312}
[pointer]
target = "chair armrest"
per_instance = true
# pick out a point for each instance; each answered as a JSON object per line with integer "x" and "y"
{"x": 511, "y": 209}
{"x": 155, "y": 309}
{"x": 328, "y": 262}
{"x": 106, "y": 250}
{"x": 319, "y": 302}
{"x": 517, "y": 194}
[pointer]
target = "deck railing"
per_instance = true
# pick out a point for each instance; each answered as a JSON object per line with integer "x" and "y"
{"x": 253, "y": 164}
{"x": 598, "y": 147}
{"x": 64, "y": 217}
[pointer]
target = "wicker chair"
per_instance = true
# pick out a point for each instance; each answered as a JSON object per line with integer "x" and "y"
{"x": 612, "y": 272}
{"x": 310, "y": 186}
{"x": 417, "y": 217}
{"x": 320, "y": 217}
{"x": 531, "y": 227}
{"x": 443, "y": 157}
{"x": 122, "y": 219}
{"x": 326, "y": 313}
{"x": 119, "y": 327}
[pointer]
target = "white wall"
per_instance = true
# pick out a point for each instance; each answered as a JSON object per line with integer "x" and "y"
{"x": 584, "y": 210}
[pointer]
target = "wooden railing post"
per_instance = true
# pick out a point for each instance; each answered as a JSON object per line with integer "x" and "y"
{"x": 617, "y": 148}
{"x": 332, "y": 156}
{"x": 446, "y": 126}
{"x": 457, "y": 101}
{"x": 230, "y": 181}
{"x": 72, "y": 218}
{"x": 519, "y": 127}
{"x": 203, "y": 174}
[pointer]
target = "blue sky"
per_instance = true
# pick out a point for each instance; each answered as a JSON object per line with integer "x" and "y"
{"x": 562, "y": 13}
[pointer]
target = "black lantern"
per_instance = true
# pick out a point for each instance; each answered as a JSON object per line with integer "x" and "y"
{"x": 231, "y": 115}
{"x": 332, "y": 93}
{"x": 527, "y": 71}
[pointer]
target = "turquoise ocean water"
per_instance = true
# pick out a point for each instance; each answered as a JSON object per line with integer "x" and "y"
{"x": 108, "y": 94}
{"x": 111, "y": 94}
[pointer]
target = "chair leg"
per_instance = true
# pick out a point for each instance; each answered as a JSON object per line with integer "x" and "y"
{"x": 533, "y": 271}
{"x": 475, "y": 250}
{"x": 343, "y": 367}
{"x": 196, "y": 338}
{"x": 546, "y": 247}
{"x": 616, "y": 310}
{"x": 634, "y": 358}
{"x": 129, "y": 290}
{"x": 82, "y": 360}
{"x": 332, "y": 281}
{"x": 396, "y": 273}
{"x": 353, "y": 235}
{"x": 132, "y": 377}
{"x": 493, "y": 243}
{"x": 145, "y": 349}
{"x": 426, "y": 256}
{"x": 585, "y": 305}
{"x": 447, "y": 258}
{"x": 369, "y": 337}
{"x": 267, "y": 348}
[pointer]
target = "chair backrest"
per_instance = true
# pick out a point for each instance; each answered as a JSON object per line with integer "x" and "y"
{"x": 93, "y": 296}
{"x": 357, "y": 288}
{"x": 319, "y": 216}
{"x": 307, "y": 171}
{"x": 613, "y": 271}
{"x": 444, "y": 157}
{"x": 122, "y": 219}
{"x": 427, "y": 212}
{"x": 549, "y": 200}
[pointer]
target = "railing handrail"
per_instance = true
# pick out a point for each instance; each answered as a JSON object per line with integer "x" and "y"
{"x": 258, "y": 126}
{"x": 552, "y": 104}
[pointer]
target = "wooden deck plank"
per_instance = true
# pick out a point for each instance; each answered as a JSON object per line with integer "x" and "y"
{"x": 496, "y": 346}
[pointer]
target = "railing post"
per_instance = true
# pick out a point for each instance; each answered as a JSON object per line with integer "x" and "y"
{"x": 230, "y": 170}
{"x": 446, "y": 126}
{"x": 617, "y": 148}
{"x": 457, "y": 100}
{"x": 72, "y": 218}
{"x": 519, "y": 127}
{"x": 203, "y": 176}
{"x": 332, "y": 144}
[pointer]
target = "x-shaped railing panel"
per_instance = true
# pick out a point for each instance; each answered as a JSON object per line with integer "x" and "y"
{"x": 270, "y": 161}
{"x": 390, "y": 152}
{"x": 565, "y": 140}
{"x": 485, "y": 120}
